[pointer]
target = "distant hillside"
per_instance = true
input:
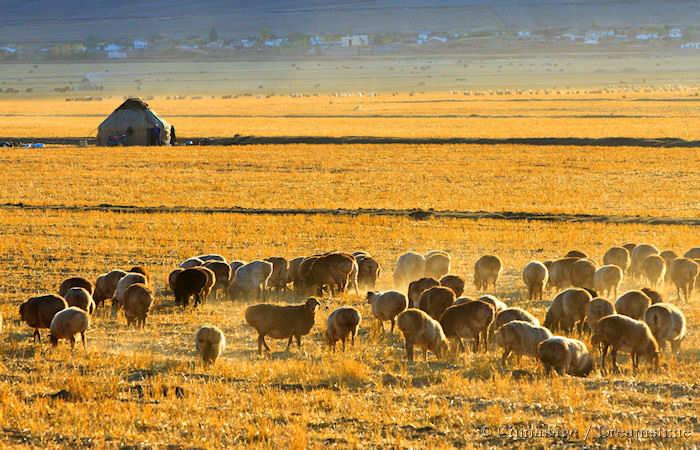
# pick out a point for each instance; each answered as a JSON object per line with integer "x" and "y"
{"x": 50, "y": 20}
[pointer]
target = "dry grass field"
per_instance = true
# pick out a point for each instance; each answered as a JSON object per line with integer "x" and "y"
{"x": 148, "y": 389}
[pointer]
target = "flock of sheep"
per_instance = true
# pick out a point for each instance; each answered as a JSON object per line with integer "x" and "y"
{"x": 432, "y": 314}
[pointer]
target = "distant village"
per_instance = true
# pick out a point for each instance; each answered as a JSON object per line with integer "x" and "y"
{"x": 213, "y": 45}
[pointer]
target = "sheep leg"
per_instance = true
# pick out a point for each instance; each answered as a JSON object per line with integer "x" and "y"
{"x": 37, "y": 335}
{"x": 298, "y": 341}
{"x": 475, "y": 344}
{"x": 613, "y": 353}
{"x": 506, "y": 353}
{"x": 409, "y": 350}
{"x": 461, "y": 345}
{"x": 289, "y": 342}
{"x": 425, "y": 354}
{"x": 82, "y": 338}
{"x": 393, "y": 322}
{"x": 604, "y": 353}
{"x": 72, "y": 343}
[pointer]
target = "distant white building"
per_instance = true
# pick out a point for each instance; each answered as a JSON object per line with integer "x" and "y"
{"x": 355, "y": 40}
{"x": 112, "y": 48}
{"x": 247, "y": 43}
{"x": 524, "y": 34}
{"x": 277, "y": 42}
{"x": 140, "y": 45}
{"x": 647, "y": 36}
{"x": 214, "y": 44}
{"x": 8, "y": 50}
{"x": 691, "y": 45}
{"x": 116, "y": 55}
{"x": 315, "y": 40}
{"x": 675, "y": 33}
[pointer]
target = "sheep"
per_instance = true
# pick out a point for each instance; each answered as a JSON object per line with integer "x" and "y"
{"x": 386, "y": 306}
{"x": 210, "y": 343}
{"x": 668, "y": 256}
{"x": 568, "y": 310}
{"x": 278, "y": 277}
{"x": 654, "y": 269}
{"x": 335, "y": 271}
{"x": 520, "y": 338}
{"x": 211, "y": 257}
{"x": 639, "y": 254}
{"x": 566, "y": 356}
{"x": 582, "y": 273}
{"x": 560, "y": 273}
{"x": 535, "y": 276}
{"x": 191, "y": 262}
{"x": 629, "y": 246}
{"x": 211, "y": 281}
{"x": 409, "y": 266}
{"x": 470, "y": 320}
{"x": 596, "y": 309}
{"x": 633, "y": 304}
{"x": 454, "y": 282}
{"x": 684, "y": 271}
{"x": 655, "y": 296}
{"x": 105, "y": 285}
{"x": 576, "y": 254}
{"x": 495, "y": 302}
{"x": 625, "y": 334}
{"x": 126, "y": 281}
{"x": 138, "y": 299}
{"x": 618, "y": 256}
{"x": 222, "y": 275}
{"x": 437, "y": 264}
{"x": 235, "y": 265}
{"x": 75, "y": 282}
{"x": 421, "y": 330}
{"x": 417, "y": 287}
{"x": 251, "y": 279}
{"x": 173, "y": 276}
{"x": 436, "y": 300}
{"x": 607, "y": 279}
{"x": 510, "y": 314}
{"x": 190, "y": 282}
{"x": 667, "y": 323}
{"x": 282, "y": 322}
{"x": 67, "y": 323}
{"x": 368, "y": 271}
{"x": 142, "y": 270}
{"x": 486, "y": 272}
{"x": 293, "y": 275}
{"x": 341, "y": 323}
{"x": 693, "y": 253}
{"x": 80, "y": 298}
{"x": 38, "y": 312}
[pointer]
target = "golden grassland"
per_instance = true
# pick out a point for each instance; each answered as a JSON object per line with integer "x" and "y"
{"x": 591, "y": 180}
{"x": 367, "y": 396}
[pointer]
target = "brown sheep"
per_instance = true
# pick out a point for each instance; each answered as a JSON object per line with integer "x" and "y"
{"x": 173, "y": 276}
{"x": 417, "y": 287}
{"x": 454, "y": 282}
{"x": 282, "y": 322}
{"x": 80, "y": 298}
{"x": 138, "y": 299}
{"x": 105, "y": 285}
{"x": 487, "y": 269}
{"x": 511, "y": 314}
{"x": 627, "y": 335}
{"x": 655, "y": 296}
{"x": 190, "y": 282}
{"x": 334, "y": 271}
{"x": 566, "y": 356}
{"x": 684, "y": 271}
{"x": 493, "y": 301}
{"x": 235, "y": 265}
{"x": 469, "y": 321}
{"x": 668, "y": 256}
{"x": 67, "y": 323}
{"x": 436, "y": 300}
{"x": 633, "y": 304}
{"x": 639, "y": 254}
{"x": 209, "y": 285}
{"x": 568, "y": 310}
{"x": 341, "y": 323}
{"x": 191, "y": 262}
{"x": 75, "y": 282}
{"x": 667, "y": 324}
{"x": 38, "y": 312}
{"x": 693, "y": 253}
{"x": 222, "y": 276}
{"x": 293, "y": 275}
{"x": 535, "y": 276}
{"x": 421, "y": 330}
{"x": 618, "y": 256}
{"x": 437, "y": 264}
{"x": 410, "y": 266}
{"x": 521, "y": 338}
{"x": 654, "y": 269}
{"x": 142, "y": 270}
{"x": 279, "y": 276}
{"x": 386, "y": 306}
{"x": 210, "y": 343}
{"x": 123, "y": 284}
{"x": 576, "y": 254}
{"x": 251, "y": 279}
{"x": 560, "y": 273}
{"x": 582, "y": 273}
{"x": 368, "y": 270}
{"x": 607, "y": 279}
{"x": 597, "y": 309}
{"x": 629, "y": 246}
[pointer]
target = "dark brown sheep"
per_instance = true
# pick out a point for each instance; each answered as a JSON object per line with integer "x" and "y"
{"x": 209, "y": 285}
{"x": 568, "y": 310}
{"x": 38, "y": 312}
{"x": 341, "y": 323}
{"x": 105, "y": 286}
{"x": 222, "y": 275}
{"x": 575, "y": 254}
{"x": 655, "y": 296}
{"x": 138, "y": 299}
{"x": 470, "y": 320}
{"x": 436, "y": 300}
{"x": 417, "y": 287}
{"x": 75, "y": 282}
{"x": 625, "y": 334}
{"x": 190, "y": 282}
{"x": 80, "y": 298}
{"x": 278, "y": 278}
{"x": 454, "y": 282}
{"x": 173, "y": 276}
{"x": 293, "y": 273}
{"x": 142, "y": 270}
{"x": 282, "y": 322}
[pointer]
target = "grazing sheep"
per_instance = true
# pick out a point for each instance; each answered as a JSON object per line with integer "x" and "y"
{"x": 210, "y": 342}
{"x": 341, "y": 323}
{"x": 576, "y": 254}
{"x": 235, "y": 265}
{"x": 80, "y": 298}
{"x": 279, "y": 275}
{"x": 138, "y": 299}
{"x": 140, "y": 269}
{"x": 618, "y": 256}
{"x": 568, "y": 310}
{"x": 386, "y": 306}
{"x": 582, "y": 273}
{"x": 190, "y": 282}
{"x": 629, "y": 246}
{"x": 417, "y": 287}
{"x": 667, "y": 323}
{"x": 560, "y": 273}
{"x": 436, "y": 300}
{"x": 422, "y": 331}
{"x": 454, "y": 282}
{"x": 668, "y": 256}
{"x": 334, "y": 270}
{"x": 222, "y": 275}
{"x": 105, "y": 285}
{"x": 368, "y": 270}
{"x": 493, "y": 301}
{"x": 251, "y": 279}
{"x": 211, "y": 257}
{"x": 639, "y": 254}
{"x": 126, "y": 281}
{"x": 282, "y": 322}
{"x": 684, "y": 271}
{"x": 655, "y": 296}
{"x": 211, "y": 281}
{"x": 633, "y": 304}
{"x": 654, "y": 269}
{"x": 173, "y": 276}
{"x": 597, "y": 309}
{"x": 566, "y": 356}
{"x": 486, "y": 272}
{"x": 627, "y": 335}
{"x": 293, "y": 275}
{"x": 67, "y": 323}
{"x": 535, "y": 276}
{"x": 38, "y": 312}
{"x": 510, "y": 314}
{"x": 693, "y": 253}
{"x": 470, "y": 320}
{"x": 607, "y": 279}
{"x": 437, "y": 264}
{"x": 410, "y": 266}
{"x": 520, "y": 338}
{"x": 75, "y": 282}
{"x": 191, "y": 262}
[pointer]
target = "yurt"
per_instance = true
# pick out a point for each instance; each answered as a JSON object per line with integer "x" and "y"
{"x": 133, "y": 123}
